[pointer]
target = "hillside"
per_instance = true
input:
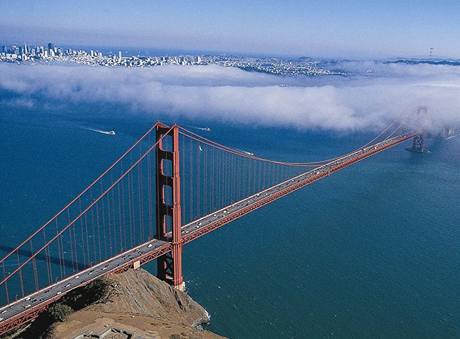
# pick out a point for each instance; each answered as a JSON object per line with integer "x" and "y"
{"x": 132, "y": 304}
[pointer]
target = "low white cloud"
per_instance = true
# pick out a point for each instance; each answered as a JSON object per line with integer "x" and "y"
{"x": 379, "y": 94}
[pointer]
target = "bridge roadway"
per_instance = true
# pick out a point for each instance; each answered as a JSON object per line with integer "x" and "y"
{"x": 29, "y": 307}
{"x": 238, "y": 209}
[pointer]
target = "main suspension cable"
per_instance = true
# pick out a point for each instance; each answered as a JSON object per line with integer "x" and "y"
{"x": 240, "y": 153}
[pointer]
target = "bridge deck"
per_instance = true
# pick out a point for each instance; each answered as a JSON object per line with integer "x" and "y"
{"x": 27, "y": 308}
{"x": 234, "y": 211}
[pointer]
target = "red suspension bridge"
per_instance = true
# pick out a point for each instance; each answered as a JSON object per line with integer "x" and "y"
{"x": 169, "y": 188}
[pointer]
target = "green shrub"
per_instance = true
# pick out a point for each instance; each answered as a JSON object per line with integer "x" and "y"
{"x": 99, "y": 289}
{"x": 58, "y": 312}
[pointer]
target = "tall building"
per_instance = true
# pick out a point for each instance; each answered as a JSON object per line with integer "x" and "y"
{"x": 50, "y": 46}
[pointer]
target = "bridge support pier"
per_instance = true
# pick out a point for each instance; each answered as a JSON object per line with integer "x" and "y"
{"x": 418, "y": 144}
{"x": 169, "y": 266}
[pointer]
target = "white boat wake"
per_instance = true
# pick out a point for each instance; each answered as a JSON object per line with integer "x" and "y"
{"x": 453, "y": 136}
{"x": 206, "y": 129}
{"x": 112, "y": 132}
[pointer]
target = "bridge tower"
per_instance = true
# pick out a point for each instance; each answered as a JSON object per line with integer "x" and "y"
{"x": 422, "y": 119}
{"x": 418, "y": 144}
{"x": 168, "y": 211}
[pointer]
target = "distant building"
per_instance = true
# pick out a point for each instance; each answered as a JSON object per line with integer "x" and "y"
{"x": 50, "y": 46}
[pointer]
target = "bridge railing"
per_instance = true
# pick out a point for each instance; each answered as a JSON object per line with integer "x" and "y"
{"x": 116, "y": 211}
{"x": 214, "y": 176}
{"x": 113, "y": 214}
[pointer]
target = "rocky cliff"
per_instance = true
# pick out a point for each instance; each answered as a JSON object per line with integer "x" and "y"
{"x": 133, "y": 304}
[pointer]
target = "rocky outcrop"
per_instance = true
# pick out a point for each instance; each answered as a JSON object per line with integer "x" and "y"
{"x": 132, "y": 304}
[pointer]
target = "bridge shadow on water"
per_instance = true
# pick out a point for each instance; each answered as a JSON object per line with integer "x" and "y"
{"x": 44, "y": 258}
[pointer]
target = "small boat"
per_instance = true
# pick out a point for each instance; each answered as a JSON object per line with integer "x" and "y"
{"x": 112, "y": 132}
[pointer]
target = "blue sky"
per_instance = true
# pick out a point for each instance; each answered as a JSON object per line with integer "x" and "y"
{"x": 290, "y": 27}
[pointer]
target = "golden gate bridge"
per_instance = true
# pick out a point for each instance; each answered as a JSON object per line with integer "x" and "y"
{"x": 169, "y": 188}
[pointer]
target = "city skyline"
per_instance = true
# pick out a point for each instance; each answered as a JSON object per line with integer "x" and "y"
{"x": 51, "y": 53}
{"x": 330, "y": 28}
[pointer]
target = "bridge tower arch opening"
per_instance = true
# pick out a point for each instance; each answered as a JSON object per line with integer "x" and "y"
{"x": 168, "y": 209}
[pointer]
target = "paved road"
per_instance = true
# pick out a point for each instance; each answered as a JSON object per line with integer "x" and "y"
{"x": 318, "y": 172}
{"x": 68, "y": 284}
{"x": 76, "y": 280}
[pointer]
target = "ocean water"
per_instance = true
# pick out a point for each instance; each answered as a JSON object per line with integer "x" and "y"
{"x": 370, "y": 252}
